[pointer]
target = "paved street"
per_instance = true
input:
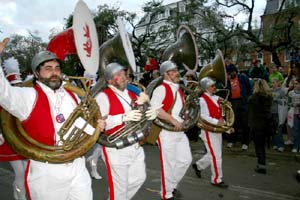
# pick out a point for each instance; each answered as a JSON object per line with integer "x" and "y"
{"x": 278, "y": 184}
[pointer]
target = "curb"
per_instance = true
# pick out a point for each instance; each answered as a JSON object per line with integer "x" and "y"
{"x": 236, "y": 150}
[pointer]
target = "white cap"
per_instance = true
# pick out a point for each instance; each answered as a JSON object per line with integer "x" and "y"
{"x": 207, "y": 82}
{"x": 167, "y": 66}
{"x": 12, "y": 70}
{"x": 111, "y": 69}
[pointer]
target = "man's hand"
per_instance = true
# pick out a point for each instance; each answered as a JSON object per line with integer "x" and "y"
{"x": 221, "y": 122}
{"x": 177, "y": 124}
{"x": 101, "y": 123}
{"x": 3, "y": 44}
{"x": 133, "y": 115}
{"x": 151, "y": 113}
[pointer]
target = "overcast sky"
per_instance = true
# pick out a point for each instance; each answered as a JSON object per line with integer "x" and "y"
{"x": 19, "y": 16}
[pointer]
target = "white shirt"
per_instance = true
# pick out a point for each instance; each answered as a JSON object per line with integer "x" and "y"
{"x": 104, "y": 104}
{"x": 204, "y": 108}
{"x": 159, "y": 94}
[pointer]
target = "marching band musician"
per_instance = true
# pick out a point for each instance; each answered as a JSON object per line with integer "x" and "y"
{"x": 211, "y": 112}
{"x": 17, "y": 162}
{"x": 126, "y": 166}
{"x": 42, "y": 110}
{"x": 175, "y": 152}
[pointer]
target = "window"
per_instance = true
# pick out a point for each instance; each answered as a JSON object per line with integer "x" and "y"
{"x": 167, "y": 12}
{"x": 181, "y": 8}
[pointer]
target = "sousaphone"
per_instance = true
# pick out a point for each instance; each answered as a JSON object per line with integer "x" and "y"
{"x": 216, "y": 70}
{"x": 184, "y": 53}
{"x": 79, "y": 132}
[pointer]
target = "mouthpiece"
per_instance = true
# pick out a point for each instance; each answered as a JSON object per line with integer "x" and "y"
{"x": 221, "y": 90}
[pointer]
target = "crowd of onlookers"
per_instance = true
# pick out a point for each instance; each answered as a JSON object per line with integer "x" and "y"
{"x": 279, "y": 120}
{"x": 283, "y": 115}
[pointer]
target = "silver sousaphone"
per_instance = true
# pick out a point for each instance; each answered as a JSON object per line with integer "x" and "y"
{"x": 115, "y": 50}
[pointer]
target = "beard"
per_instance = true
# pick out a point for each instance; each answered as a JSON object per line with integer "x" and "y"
{"x": 176, "y": 79}
{"x": 54, "y": 82}
{"x": 121, "y": 86}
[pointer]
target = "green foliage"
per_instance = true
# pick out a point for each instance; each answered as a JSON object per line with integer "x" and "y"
{"x": 23, "y": 49}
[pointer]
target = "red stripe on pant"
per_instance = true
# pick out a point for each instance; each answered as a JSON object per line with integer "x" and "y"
{"x": 26, "y": 181}
{"x": 213, "y": 157}
{"x": 109, "y": 175}
{"x": 163, "y": 182}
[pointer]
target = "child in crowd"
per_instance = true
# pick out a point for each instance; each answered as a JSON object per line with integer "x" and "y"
{"x": 278, "y": 115}
{"x": 294, "y": 104}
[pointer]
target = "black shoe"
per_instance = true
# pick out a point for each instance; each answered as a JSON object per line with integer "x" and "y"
{"x": 197, "y": 171}
{"x": 171, "y": 198}
{"x": 177, "y": 194}
{"x": 260, "y": 170}
{"x": 298, "y": 176}
{"x": 221, "y": 185}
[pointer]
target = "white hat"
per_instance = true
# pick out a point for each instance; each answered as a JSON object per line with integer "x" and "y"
{"x": 207, "y": 82}
{"x": 111, "y": 69}
{"x": 12, "y": 70}
{"x": 167, "y": 66}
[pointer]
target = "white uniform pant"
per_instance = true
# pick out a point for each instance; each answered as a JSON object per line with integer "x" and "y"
{"x": 175, "y": 157}
{"x": 68, "y": 181}
{"x": 18, "y": 184}
{"x": 213, "y": 157}
{"x": 126, "y": 171}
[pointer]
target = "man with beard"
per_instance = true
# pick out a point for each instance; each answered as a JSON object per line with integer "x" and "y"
{"x": 126, "y": 170}
{"x": 175, "y": 152}
{"x": 42, "y": 110}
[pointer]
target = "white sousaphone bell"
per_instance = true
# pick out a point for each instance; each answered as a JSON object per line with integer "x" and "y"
{"x": 80, "y": 39}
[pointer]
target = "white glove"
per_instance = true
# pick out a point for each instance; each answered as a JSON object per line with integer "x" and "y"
{"x": 2, "y": 140}
{"x": 151, "y": 113}
{"x": 133, "y": 115}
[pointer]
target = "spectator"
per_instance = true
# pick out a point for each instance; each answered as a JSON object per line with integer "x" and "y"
{"x": 279, "y": 101}
{"x": 294, "y": 103}
{"x": 275, "y": 74}
{"x": 240, "y": 89}
{"x": 155, "y": 74}
{"x": 288, "y": 85}
{"x": 259, "y": 116}
{"x": 151, "y": 64}
{"x": 258, "y": 71}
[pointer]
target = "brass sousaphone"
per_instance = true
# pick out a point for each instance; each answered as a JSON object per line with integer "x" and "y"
{"x": 216, "y": 70}
{"x": 184, "y": 53}
{"x": 74, "y": 140}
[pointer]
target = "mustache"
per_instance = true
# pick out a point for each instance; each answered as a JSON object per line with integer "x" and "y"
{"x": 55, "y": 76}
